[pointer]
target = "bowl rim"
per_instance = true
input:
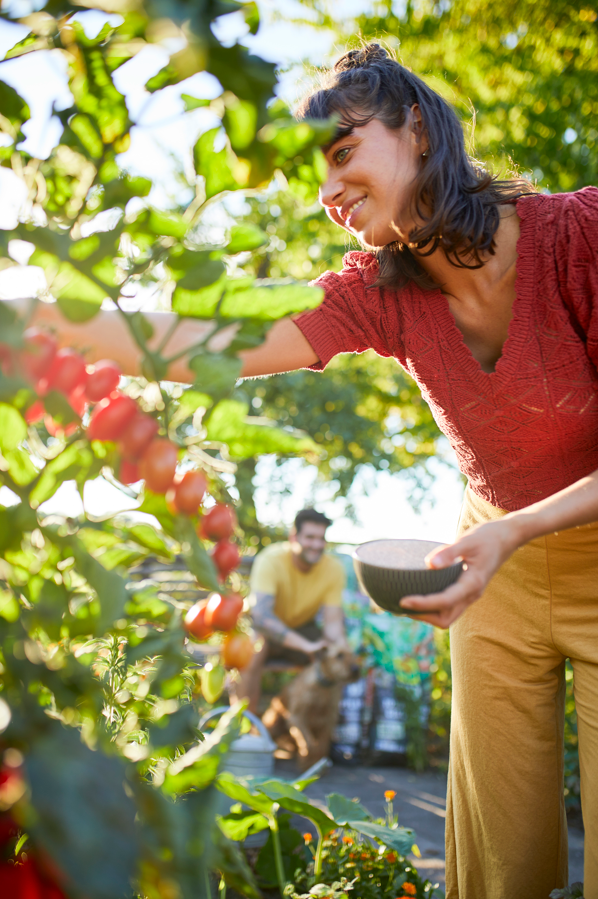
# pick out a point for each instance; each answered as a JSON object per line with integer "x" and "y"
{"x": 357, "y": 558}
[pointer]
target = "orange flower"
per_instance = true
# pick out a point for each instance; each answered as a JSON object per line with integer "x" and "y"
{"x": 348, "y": 840}
{"x": 389, "y": 795}
{"x": 307, "y": 837}
{"x": 391, "y": 857}
{"x": 364, "y": 855}
{"x": 410, "y": 889}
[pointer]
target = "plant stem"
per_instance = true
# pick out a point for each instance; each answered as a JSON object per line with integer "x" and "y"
{"x": 318, "y": 856}
{"x": 208, "y": 890}
{"x": 280, "y": 876}
{"x": 222, "y": 889}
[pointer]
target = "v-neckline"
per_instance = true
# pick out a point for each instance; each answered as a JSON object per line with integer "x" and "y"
{"x": 507, "y": 362}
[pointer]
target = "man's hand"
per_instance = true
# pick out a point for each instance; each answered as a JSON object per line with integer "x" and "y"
{"x": 483, "y": 549}
{"x": 293, "y": 640}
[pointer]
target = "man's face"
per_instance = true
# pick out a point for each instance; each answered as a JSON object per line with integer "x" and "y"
{"x": 309, "y": 542}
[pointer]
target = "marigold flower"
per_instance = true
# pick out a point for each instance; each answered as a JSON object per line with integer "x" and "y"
{"x": 348, "y": 840}
{"x": 410, "y": 889}
{"x": 391, "y": 857}
{"x": 307, "y": 837}
{"x": 389, "y": 795}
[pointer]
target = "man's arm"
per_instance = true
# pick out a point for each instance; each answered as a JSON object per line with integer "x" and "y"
{"x": 334, "y": 625}
{"x": 270, "y": 625}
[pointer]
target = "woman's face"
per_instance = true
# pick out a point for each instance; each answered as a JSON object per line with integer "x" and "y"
{"x": 370, "y": 183}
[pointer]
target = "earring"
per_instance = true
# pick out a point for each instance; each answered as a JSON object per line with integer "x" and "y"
{"x": 425, "y": 153}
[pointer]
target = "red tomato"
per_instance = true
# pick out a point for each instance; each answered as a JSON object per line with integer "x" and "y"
{"x": 189, "y": 493}
{"x": 195, "y": 621}
{"x": 237, "y": 651}
{"x": 219, "y": 523}
{"x": 128, "y": 472}
{"x": 102, "y": 379}
{"x": 138, "y": 435}
{"x": 67, "y": 371}
{"x": 39, "y": 352}
{"x": 223, "y": 610}
{"x": 158, "y": 464}
{"x": 35, "y": 412}
{"x": 226, "y": 557}
{"x": 78, "y": 400}
{"x": 110, "y": 417}
{"x": 55, "y": 429}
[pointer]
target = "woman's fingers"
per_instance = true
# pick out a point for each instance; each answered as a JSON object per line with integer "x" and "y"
{"x": 441, "y": 609}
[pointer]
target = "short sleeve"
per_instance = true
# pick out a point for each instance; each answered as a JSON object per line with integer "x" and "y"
{"x": 334, "y": 596}
{"x": 264, "y": 574}
{"x": 577, "y": 255}
{"x": 347, "y": 320}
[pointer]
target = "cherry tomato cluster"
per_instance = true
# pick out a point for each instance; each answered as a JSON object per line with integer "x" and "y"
{"x": 116, "y": 417}
{"x": 220, "y": 612}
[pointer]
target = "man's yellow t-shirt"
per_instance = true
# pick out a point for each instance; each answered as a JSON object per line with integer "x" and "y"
{"x": 298, "y": 594}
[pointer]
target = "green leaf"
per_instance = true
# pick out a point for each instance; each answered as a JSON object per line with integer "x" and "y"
{"x": 193, "y": 102}
{"x": 215, "y": 373}
{"x": 290, "y": 798}
{"x": 238, "y": 825}
{"x": 79, "y": 298}
{"x": 245, "y": 237}
{"x": 228, "y": 422}
{"x": 75, "y": 461}
{"x": 12, "y": 428}
{"x": 83, "y": 817}
{"x": 197, "y": 559}
{"x": 290, "y": 840}
{"x": 168, "y": 224}
{"x": 344, "y": 810}
{"x": 200, "y": 303}
{"x": 240, "y": 121}
{"x": 176, "y": 729}
{"x": 231, "y": 861}
{"x": 199, "y": 766}
{"x": 240, "y": 790}
{"x": 147, "y": 536}
{"x": 20, "y": 467}
{"x": 401, "y": 839}
{"x": 270, "y": 302}
{"x": 216, "y": 166}
{"x": 194, "y": 269}
{"x": 13, "y": 108}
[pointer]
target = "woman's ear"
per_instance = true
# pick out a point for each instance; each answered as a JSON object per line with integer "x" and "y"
{"x": 418, "y": 130}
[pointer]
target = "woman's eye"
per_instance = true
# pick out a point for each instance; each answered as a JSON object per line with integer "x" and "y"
{"x": 340, "y": 154}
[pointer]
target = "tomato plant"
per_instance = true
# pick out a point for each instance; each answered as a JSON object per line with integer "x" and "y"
{"x": 223, "y": 610}
{"x": 226, "y": 557}
{"x": 237, "y": 650}
{"x": 102, "y": 380}
{"x": 219, "y": 523}
{"x": 189, "y": 492}
{"x": 212, "y": 679}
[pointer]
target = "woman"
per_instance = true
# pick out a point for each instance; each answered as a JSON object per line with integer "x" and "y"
{"x": 485, "y": 292}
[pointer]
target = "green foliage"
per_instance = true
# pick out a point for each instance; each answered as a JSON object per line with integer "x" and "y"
{"x": 94, "y": 673}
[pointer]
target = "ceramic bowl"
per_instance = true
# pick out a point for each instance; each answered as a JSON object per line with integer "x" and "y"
{"x": 388, "y": 570}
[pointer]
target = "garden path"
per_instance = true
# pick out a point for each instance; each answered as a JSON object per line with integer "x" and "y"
{"x": 420, "y": 803}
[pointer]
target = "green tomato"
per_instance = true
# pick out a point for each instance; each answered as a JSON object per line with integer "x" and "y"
{"x": 212, "y": 682}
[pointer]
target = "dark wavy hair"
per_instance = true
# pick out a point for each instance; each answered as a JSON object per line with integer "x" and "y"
{"x": 455, "y": 197}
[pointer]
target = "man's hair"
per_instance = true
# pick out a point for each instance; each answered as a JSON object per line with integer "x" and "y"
{"x": 306, "y": 515}
{"x": 461, "y": 196}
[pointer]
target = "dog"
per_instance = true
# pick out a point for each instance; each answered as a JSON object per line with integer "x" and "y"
{"x": 305, "y": 713}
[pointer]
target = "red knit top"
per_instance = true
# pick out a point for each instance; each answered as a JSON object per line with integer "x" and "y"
{"x": 529, "y": 428}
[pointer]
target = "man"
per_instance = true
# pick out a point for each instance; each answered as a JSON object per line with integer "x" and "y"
{"x": 290, "y": 583}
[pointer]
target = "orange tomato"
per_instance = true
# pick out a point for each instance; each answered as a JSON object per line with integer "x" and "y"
{"x": 223, "y": 610}
{"x": 195, "y": 621}
{"x": 226, "y": 557}
{"x": 158, "y": 464}
{"x": 237, "y": 650}
{"x": 219, "y": 523}
{"x": 189, "y": 493}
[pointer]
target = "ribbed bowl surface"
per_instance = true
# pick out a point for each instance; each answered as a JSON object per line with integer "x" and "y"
{"x": 388, "y": 570}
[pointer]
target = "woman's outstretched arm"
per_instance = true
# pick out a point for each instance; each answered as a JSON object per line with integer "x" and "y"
{"x": 486, "y": 547}
{"x": 106, "y": 336}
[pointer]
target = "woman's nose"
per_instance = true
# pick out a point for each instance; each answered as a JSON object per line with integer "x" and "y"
{"x": 331, "y": 190}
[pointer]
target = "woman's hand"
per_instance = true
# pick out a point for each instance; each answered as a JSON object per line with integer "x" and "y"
{"x": 483, "y": 549}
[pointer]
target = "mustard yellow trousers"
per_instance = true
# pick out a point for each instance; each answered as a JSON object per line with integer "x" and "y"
{"x": 506, "y": 829}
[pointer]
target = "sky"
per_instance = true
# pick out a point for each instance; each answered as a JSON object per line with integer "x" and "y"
{"x": 383, "y": 502}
